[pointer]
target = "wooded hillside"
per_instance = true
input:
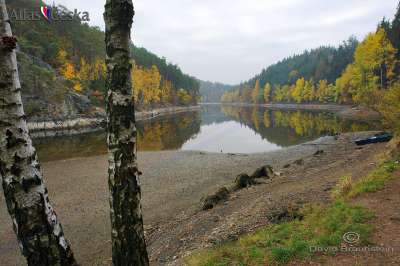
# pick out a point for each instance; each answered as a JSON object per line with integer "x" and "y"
{"x": 365, "y": 73}
{"x": 63, "y": 58}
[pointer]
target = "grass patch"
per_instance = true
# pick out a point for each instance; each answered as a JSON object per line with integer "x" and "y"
{"x": 344, "y": 186}
{"x": 376, "y": 180}
{"x": 322, "y": 226}
{"x": 373, "y": 182}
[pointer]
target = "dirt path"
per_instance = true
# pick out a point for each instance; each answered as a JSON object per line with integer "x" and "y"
{"x": 173, "y": 184}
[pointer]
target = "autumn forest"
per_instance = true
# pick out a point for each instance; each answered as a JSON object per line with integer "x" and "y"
{"x": 72, "y": 58}
{"x": 111, "y": 154}
{"x": 364, "y": 73}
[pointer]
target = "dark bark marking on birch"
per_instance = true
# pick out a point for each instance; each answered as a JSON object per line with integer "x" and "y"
{"x": 128, "y": 243}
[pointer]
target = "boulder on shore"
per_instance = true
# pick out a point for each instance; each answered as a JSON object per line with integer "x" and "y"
{"x": 263, "y": 172}
{"x": 212, "y": 200}
{"x": 243, "y": 181}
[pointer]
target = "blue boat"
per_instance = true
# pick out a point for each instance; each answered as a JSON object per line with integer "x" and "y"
{"x": 375, "y": 139}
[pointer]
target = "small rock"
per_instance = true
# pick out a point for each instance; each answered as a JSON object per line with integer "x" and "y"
{"x": 264, "y": 171}
{"x": 319, "y": 152}
{"x": 212, "y": 200}
{"x": 286, "y": 165}
{"x": 243, "y": 181}
{"x": 284, "y": 214}
{"x": 299, "y": 162}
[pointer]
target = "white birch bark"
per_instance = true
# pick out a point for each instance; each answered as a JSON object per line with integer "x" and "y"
{"x": 35, "y": 223}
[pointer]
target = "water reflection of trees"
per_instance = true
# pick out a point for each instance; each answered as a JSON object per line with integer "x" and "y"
{"x": 168, "y": 133}
{"x": 283, "y": 128}
{"x": 211, "y": 114}
{"x": 64, "y": 147}
{"x": 287, "y": 128}
{"x": 164, "y": 133}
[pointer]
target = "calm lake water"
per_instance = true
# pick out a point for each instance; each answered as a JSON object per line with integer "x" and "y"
{"x": 215, "y": 128}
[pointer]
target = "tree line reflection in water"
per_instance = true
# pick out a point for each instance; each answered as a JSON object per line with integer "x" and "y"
{"x": 163, "y": 133}
{"x": 284, "y": 128}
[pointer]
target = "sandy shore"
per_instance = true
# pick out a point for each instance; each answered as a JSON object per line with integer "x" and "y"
{"x": 173, "y": 183}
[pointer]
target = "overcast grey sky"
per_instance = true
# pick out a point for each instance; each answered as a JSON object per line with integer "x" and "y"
{"x": 230, "y": 41}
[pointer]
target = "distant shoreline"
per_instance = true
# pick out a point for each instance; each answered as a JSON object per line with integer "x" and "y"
{"x": 85, "y": 124}
{"x": 344, "y": 111}
{"x": 303, "y": 106}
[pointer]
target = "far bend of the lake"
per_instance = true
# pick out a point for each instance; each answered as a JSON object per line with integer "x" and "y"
{"x": 215, "y": 128}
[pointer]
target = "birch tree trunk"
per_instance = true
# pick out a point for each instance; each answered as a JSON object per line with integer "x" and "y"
{"x": 35, "y": 223}
{"x": 128, "y": 242}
